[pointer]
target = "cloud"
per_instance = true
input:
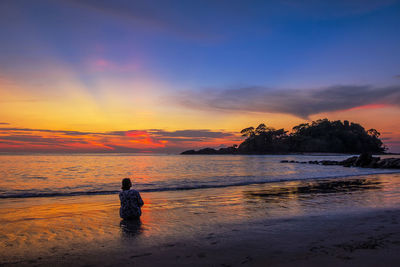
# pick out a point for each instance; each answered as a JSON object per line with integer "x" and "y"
{"x": 39, "y": 139}
{"x": 300, "y": 103}
{"x": 4, "y": 123}
{"x": 156, "y": 132}
{"x": 47, "y": 131}
{"x": 14, "y": 139}
{"x": 192, "y": 133}
{"x": 194, "y": 137}
{"x": 397, "y": 76}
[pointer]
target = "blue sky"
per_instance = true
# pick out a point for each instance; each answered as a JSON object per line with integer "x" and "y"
{"x": 213, "y": 43}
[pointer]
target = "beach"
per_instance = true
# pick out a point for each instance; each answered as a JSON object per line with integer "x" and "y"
{"x": 365, "y": 239}
{"x": 334, "y": 221}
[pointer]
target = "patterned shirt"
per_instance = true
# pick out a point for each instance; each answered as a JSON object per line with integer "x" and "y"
{"x": 131, "y": 201}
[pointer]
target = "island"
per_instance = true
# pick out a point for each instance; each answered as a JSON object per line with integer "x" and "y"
{"x": 321, "y": 136}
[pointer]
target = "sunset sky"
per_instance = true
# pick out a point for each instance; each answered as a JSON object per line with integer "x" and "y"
{"x": 165, "y": 76}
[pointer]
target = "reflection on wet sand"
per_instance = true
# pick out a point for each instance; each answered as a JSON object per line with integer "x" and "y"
{"x": 309, "y": 189}
{"x": 131, "y": 228}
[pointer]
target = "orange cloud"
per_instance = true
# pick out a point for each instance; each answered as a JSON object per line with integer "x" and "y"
{"x": 135, "y": 133}
{"x": 370, "y": 106}
{"x": 45, "y": 140}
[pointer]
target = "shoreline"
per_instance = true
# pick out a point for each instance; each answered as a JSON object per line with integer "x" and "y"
{"x": 108, "y": 192}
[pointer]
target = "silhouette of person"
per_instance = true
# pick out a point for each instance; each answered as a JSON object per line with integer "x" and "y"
{"x": 131, "y": 201}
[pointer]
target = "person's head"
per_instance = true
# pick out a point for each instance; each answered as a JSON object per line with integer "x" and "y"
{"x": 126, "y": 184}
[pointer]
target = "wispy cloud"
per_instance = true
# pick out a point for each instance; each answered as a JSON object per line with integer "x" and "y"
{"x": 11, "y": 129}
{"x": 300, "y": 103}
{"x": 192, "y": 133}
{"x": 4, "y": 123}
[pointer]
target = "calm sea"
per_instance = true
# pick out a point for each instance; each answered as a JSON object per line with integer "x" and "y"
{"x": 45, "y": 175}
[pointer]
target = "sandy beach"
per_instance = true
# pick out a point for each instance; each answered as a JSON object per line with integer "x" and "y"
{"x": 369, "y": 238}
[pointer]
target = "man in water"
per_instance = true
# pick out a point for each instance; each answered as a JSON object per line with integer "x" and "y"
{"x": 131, "y": 201}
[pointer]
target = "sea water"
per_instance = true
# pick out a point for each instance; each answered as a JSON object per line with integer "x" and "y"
{"x": 43, "y": 175}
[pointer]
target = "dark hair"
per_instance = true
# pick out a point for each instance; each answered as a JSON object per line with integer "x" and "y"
{"x": 126, "y": 184}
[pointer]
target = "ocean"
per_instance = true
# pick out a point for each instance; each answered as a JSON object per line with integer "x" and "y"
{"x": 42, "y": 175}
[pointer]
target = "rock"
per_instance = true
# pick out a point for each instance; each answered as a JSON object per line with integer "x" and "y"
{"x": 390, "y": 163}
{"x": 227, "y": 150}
{"x": 396, "y": 164}
{"x": 212, "y": 151}
{"x": 329, "y": 162}
{"x": 363, "y": 160}
{"x": 204, "y": 151}
{"x": 207, "y": 151}
{"x": 349, "y": 162}
{"x": 188, "y": 152}
{"x": 374, "y": 163}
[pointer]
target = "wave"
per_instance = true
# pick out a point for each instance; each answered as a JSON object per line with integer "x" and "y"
{"x": 182, "y": 188}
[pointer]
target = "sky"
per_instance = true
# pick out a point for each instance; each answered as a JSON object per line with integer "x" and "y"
{"x": 166, "y": 76}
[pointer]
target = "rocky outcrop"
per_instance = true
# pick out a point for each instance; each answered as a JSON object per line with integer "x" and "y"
{"x": 204, "y": 151}
{"x": 212, "y": 151}
{"x": 365, "y": 160}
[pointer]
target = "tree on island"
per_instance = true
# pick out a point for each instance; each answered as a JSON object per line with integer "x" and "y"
{"x": 318, "y": 136}
{"x": 248, "y": 132}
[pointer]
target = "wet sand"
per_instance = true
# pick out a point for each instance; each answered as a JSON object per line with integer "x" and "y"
{"x": 365, "y": 239}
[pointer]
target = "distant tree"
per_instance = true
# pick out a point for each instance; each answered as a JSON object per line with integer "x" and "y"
{"x": 374, "y": 133}
{"x": 301, "y": 127}
{"x": 318, "y": 136}
{"x": 261, "y": 128}
{"x": 248, "y": 132}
